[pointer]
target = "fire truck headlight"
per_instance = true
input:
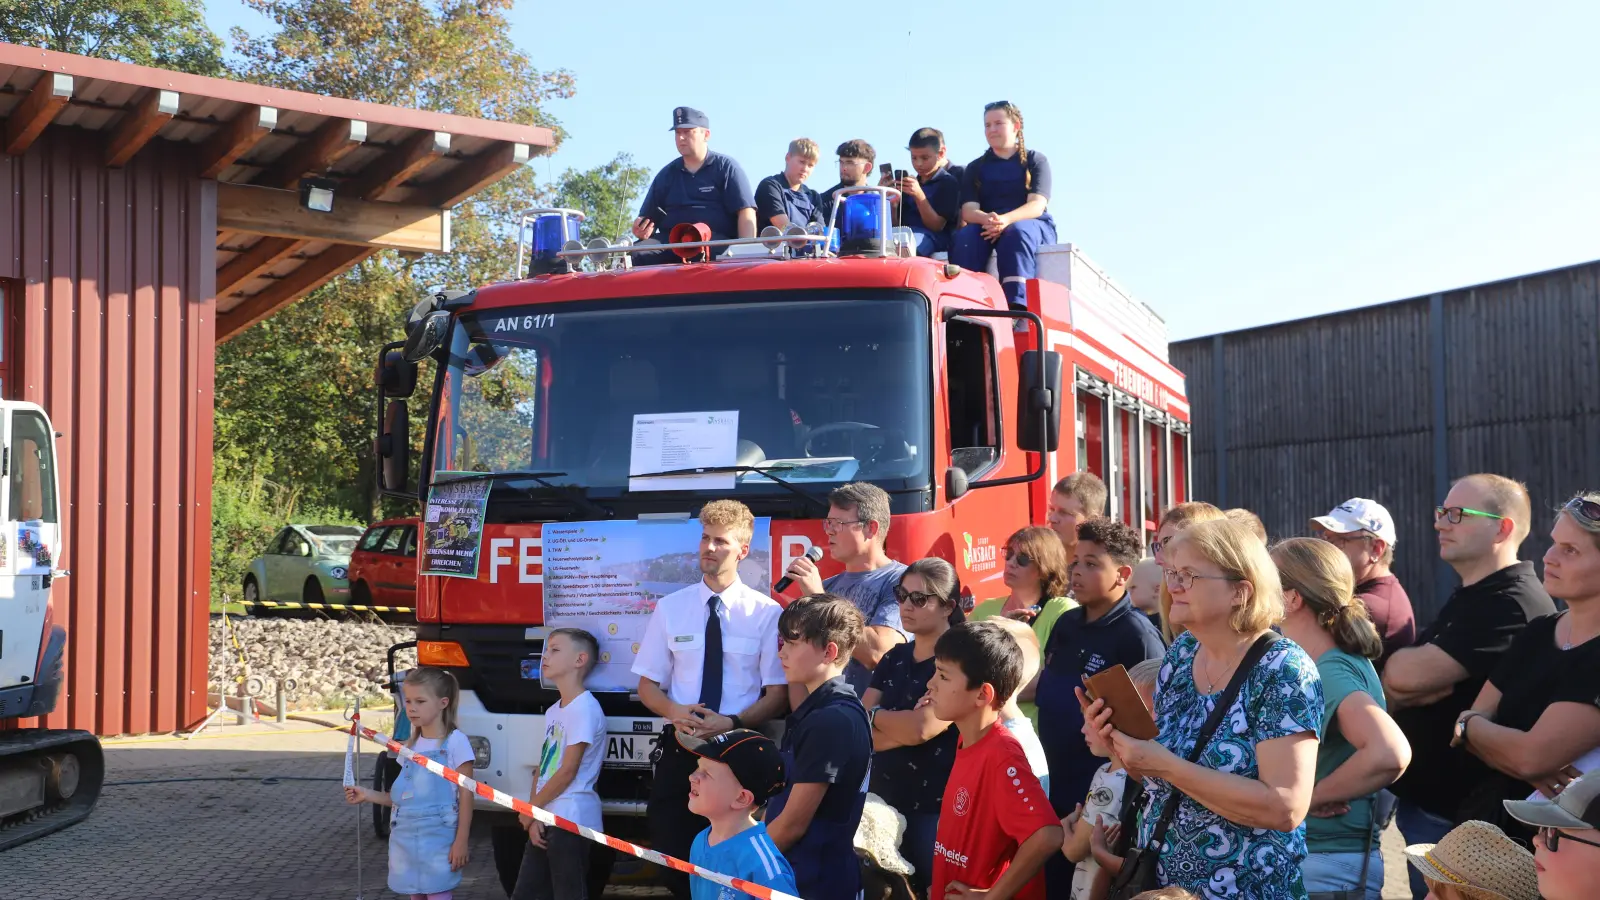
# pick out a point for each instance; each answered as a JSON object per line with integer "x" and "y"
{"x": 480, "y": 751}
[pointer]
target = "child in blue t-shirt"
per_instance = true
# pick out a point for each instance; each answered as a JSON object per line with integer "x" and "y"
{"x": 738, "y": 771}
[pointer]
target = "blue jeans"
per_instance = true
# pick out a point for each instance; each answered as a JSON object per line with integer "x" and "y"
{"x": 1342, "y": 872}
{"x": 1418, "y": 826}
{"x": 916, "y": 845}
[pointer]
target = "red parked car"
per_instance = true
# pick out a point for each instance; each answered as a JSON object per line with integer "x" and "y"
{"x": 383, "y": 569}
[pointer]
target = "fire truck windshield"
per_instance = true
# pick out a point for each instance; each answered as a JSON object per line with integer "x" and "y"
{"x": 829, "y": 387}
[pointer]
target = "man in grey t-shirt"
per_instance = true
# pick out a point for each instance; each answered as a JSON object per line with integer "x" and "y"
{"x": 857, "y": 526}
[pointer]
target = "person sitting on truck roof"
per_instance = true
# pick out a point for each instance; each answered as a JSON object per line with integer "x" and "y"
{"x": 784, "y": 199}
{"x": 857, "y": 526}
{"x": 930, "y": 201}
{"x": 708, "y": 664}
{"x": 1004, "y": 198}
{"x": 855, "y": 166}
{"x": 699, "y": 186}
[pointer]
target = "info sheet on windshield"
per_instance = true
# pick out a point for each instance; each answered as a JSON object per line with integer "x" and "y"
{"x": 452, "y": 525}
{"x": 669, "y": 442}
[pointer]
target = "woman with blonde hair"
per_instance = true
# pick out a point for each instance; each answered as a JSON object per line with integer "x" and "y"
{"x": 1173, "y": 522}
{"x": 1363, "y": 751}
{"x": 1226, "y": 806}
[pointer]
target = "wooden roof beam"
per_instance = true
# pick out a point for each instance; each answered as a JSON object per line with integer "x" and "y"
{"x": 35, "y": 113}
{"x": 388, "y": 172}
{"x": 316, "y": 154}
{"x": 475, "y": 174}
{"x": 235, "y": 139}
{"x": 312, "y": 274}
{"x": 394, "y": 226}
{"x": 139, "y": 125}
{"x": 267, "y": 252}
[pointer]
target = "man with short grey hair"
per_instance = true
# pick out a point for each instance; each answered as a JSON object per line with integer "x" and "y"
{"x": 857, "y": 526}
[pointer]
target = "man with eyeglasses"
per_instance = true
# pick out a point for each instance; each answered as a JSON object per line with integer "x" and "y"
{"x": 1364, "y": 531}
{"x": 1481, "y": 524}
{"x": 857, "y": 526}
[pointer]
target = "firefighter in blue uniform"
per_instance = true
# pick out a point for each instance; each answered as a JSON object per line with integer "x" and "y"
{"x": 930, "y": 200}
{"x": 784, "y": 199}
{"x": 1004, "y": 198}
{"x": 698, "y": 186}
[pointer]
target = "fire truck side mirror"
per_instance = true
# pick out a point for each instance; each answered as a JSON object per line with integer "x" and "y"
{"x": 396, "y": 377}
{"x": 1039, "y": 401}
{"x": 394, "y": 447}
{"x": 955, "y": 483}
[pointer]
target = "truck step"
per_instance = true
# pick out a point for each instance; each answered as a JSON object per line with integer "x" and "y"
{"x": 27, "y": 748}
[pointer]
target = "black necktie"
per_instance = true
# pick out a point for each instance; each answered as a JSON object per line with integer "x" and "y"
{"x": 711, "y": 671}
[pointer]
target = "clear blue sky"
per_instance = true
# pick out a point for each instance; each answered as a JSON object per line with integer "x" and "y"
{"x": 1231, "y": 164}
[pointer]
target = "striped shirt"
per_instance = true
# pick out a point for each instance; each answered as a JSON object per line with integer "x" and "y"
{"x": 750, "y": 855}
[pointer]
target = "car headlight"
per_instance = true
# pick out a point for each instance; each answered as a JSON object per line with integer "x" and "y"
{"x": 339, "y": 572}
{"x": 480, "y": 751}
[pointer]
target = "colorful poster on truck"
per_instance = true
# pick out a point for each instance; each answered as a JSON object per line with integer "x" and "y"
{"x": 452, "y": 524}
{"x": 605, "y": 577}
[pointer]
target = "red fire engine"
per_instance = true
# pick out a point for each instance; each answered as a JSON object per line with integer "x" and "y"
{"x": 848, "y": 364}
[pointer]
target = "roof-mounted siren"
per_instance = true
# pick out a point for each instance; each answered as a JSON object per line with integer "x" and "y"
{"x": 860, "y": 224}
{"x": 696, "y": 234}
{"x": 545, "y": 232}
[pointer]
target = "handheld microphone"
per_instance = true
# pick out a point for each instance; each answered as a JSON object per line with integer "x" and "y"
{"x": 814, "y": 554}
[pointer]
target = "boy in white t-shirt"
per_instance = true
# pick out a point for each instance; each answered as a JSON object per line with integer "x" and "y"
{"x": 556, "y": 862}
{"x": 1011, "y": 715}
{"x": 1104, "y": 804}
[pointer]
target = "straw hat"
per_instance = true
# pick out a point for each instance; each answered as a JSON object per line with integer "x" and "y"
{"x": 1479, "y": 860}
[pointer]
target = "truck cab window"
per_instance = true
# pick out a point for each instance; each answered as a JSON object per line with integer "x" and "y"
{"x": 33, "y": 469}
{"x": 973, "y": 396}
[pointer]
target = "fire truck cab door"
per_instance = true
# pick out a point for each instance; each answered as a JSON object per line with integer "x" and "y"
{"x": 30, "y": 536}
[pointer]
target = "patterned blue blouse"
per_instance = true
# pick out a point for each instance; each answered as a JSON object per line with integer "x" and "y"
{"x": 1203, "y": 852}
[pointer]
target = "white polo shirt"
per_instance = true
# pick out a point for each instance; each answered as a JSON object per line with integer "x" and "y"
{"x": 673, "y": 651}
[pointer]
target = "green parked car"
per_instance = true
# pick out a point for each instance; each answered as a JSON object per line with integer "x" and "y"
{"x": 303, "y": 564}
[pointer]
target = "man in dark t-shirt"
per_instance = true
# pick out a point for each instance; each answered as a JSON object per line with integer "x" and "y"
{"x": 1365, "y": 531}
{"x": 1482, "y": 523}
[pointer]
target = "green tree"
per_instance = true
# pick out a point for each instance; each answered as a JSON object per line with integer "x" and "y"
{"x": 606, "y": 194}
{"x": 168, "y": 34}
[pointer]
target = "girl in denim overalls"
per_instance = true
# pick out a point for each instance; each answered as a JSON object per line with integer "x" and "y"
{"x": 428, "y": 835}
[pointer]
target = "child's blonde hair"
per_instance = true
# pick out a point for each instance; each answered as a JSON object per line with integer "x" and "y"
{"x": 441, "y": 684}
{"x": 1145, "y": 674}
{"x": 1028, "y": 643}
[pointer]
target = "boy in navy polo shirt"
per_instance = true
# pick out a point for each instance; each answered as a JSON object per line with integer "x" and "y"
{"x": 930, "y": 201}
{"x": 737, "y": 771}
{"x": 1105, "y": 630}
{"x": 827, "y": 748}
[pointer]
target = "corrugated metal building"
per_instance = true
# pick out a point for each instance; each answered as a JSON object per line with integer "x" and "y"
{"x": 137, "y": 229}
{"x": 1392, "y": 402}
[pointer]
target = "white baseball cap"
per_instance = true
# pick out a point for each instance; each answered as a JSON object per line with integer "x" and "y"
{"x": 1358, "y": 514}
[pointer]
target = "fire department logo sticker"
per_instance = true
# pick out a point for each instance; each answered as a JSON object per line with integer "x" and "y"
{"x": 962, "y": 799}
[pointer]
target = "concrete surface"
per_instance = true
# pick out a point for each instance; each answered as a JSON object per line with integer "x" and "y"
{"x": 157, "y": 837}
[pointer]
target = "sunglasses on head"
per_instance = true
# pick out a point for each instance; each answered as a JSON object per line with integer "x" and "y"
{"x": 1023, "y": 559}
{"x": 998, "y": 104}
{"x": 918, "y": 599}
{"x": 1588, "y": 510}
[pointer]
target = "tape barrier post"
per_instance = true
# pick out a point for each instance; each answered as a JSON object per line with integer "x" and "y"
{"x": 501, "y": 798}
{"x": 352, "y": 777}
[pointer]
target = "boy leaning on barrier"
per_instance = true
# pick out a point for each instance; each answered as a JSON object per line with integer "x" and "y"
{"x": 737, "y": 772}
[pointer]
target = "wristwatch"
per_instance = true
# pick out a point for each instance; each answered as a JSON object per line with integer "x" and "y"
{"x": 737, "y": 722}
{"x": 1461, "y": 727}
{"x": 872, "y": 718}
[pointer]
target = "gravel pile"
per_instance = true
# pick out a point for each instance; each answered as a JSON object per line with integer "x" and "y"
{"x": 332, "y": 661}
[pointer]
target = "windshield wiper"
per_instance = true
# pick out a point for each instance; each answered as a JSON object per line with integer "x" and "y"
{"x": 593, "y": 507}
{"x": 764, "y": 472}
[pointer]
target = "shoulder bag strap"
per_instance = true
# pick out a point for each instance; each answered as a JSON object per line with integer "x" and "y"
{"x": 1218, "y": 713}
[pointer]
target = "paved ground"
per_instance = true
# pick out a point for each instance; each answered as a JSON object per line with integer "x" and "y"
{"x": 157, "y": 837}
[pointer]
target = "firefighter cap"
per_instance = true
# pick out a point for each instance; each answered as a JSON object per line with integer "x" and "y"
{"x": 688, "y": 117}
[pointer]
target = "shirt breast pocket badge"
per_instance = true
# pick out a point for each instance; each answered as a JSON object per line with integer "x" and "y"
{"x": 683, "y": 643}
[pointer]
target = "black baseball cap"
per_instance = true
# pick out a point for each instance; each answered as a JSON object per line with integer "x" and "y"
{"x": 752, "y": 756}
{"x": 1576, "y": 808}
{"x": 687, "y": 117}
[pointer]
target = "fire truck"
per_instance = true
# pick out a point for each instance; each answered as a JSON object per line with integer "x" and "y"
{"x": 847, "y": 359}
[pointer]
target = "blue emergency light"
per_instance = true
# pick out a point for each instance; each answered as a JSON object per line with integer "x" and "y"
{"x": 552, "y": 229}
{"x": 862, "y": 224}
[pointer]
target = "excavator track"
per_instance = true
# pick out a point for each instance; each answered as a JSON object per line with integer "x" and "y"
{"x": 76, "y": 772}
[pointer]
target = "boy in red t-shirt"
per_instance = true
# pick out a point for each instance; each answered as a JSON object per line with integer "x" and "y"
{"x": 996, "y": 828}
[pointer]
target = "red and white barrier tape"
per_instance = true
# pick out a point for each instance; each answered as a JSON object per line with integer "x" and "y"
{"x": 501, "y": 798}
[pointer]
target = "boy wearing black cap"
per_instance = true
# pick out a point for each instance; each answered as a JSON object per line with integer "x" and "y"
{"x": 737, "y": 772}
{"x": 827, "y": 748}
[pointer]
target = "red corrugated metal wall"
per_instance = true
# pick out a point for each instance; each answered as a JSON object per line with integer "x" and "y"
{"x": 115, "y": 274}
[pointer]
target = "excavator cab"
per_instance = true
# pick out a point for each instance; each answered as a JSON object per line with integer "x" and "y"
{"x": 49, "y": 778}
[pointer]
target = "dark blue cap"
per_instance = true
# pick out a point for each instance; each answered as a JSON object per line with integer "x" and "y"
{"x": 685, "y": 117}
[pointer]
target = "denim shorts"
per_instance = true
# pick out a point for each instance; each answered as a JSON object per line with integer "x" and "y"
{"x": 1342, "y": 872}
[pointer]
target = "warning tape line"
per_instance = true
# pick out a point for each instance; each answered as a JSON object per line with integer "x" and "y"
{"x": 394, "y": 609}
{"x": 501, "y": 798}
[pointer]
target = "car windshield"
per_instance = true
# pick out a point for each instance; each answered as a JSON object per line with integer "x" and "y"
{"x": 829, "y": 387}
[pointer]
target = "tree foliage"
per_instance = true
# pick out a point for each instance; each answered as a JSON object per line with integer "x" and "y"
{"x": 168, "y": 34}
{"x": 605, "y": 194}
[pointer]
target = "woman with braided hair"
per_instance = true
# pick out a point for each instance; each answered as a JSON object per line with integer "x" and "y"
{"x": 1004, "y": 195}
{"x": 1363, "y": 751}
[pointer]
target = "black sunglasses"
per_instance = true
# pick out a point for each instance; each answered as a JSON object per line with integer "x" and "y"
{"x": 998, "y": 104}
{"x": 918, "y": 599}
{"x": 1554, "y": 836}
{"x": 1023, "y": 559}
{"x": 1588, "y": 509}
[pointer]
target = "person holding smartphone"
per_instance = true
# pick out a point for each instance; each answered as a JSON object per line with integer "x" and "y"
{"x": 856, "y": 158}
{"x": 930, "y": 197}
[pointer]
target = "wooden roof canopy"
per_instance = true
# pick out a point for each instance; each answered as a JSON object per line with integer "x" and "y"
{"x": 398, "y": 170}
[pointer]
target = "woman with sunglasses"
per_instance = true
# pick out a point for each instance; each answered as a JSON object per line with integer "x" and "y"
{"x": 913, "y": 751}
{"x": 1536, "y": 714}
{"x": 1566, "y": 851}
{"x": 1004, "y": 198}
{"x": 1038, "y": 573}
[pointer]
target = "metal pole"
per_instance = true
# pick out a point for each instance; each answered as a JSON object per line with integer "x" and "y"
{"x": 354, "y": 724}
{"x": 238, "y": 714}
{"x": 283, "y": 714}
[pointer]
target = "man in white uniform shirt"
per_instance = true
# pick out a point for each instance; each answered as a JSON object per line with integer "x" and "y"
{"x": 708, "y": 664}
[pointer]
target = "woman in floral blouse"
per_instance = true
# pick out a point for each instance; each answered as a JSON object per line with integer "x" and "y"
{"x": 1239, "y": 831}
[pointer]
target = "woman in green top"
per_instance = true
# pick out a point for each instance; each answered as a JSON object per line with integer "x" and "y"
{"x": 1037, "y": 572}
{"x": 1362, "y": 750}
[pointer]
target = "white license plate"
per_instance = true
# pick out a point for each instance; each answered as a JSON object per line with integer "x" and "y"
{"x": 630, "y": 751}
